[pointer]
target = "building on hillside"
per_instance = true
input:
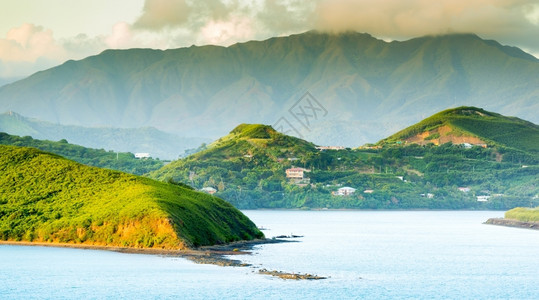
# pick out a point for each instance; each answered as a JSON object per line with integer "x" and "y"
{"x": 482, "y": 198}
{"x": 464, "y": 189}
{"x": 322, "y": 148}
{"x": 297, "y": 176}
{"x": 368, "y": 191}
{"x": 344, "y": 191}
{"x": 142, "y": 155}
{"x": 209, "y": 190}
{"x": 296, "y": 173}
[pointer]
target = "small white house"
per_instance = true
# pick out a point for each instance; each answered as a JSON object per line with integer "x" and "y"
{"x": 142, "y": 155}
{"x": 344, "y": 191}
{"x": 368, "y": 191}
{"x": 483, "y": 198}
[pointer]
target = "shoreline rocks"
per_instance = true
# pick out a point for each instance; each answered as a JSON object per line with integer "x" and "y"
{"x": 290, "y": 276}
{"x": 513, "y": 223}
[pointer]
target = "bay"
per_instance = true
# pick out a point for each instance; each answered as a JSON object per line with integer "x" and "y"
{"x": 365, "y": 254}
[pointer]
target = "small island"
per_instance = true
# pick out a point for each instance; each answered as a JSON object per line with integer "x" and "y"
{"x": 520, "y": 217}
{"x": 47, "y": 199}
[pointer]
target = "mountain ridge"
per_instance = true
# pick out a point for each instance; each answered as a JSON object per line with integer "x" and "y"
{"x": 471, "y": 125}
{"x": 368, "y": 86}
{"x": 150, "y": 140}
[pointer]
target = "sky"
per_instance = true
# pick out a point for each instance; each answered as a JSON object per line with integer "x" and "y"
{"x": 38, "y": 34}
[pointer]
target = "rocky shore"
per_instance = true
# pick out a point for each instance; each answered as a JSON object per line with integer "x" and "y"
{"x": 513, "y": 223}
{"x": 215, "y": 255}
{"x": 293, "y": 276}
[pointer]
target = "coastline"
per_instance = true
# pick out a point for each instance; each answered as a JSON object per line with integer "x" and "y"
{"x": 214, "y": 255}
{"x": 513, "y": 223}
{"x": 203, "y": 255}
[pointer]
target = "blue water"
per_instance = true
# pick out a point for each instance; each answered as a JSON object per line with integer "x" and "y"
{"x": 367, "y": 254}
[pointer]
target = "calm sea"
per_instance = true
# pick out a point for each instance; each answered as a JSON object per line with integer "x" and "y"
{"x": 366, "y": 254}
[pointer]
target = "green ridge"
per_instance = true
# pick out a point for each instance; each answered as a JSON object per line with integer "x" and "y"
{"x": 523, "y": 214}
{"x": 159, "y": 144}
{"x": 46, "y": 198}
{"x": 495, "y": 129}
{"x": 125, "y": 162}
{"x": 248, "y": 167}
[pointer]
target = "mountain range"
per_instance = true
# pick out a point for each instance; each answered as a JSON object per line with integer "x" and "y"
{"x": 333, "y": 89}
{"x": 157, "y": 143}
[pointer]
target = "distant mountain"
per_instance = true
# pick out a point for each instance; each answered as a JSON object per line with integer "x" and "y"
{"x": 472, "y": 126}
{"x": 125, "y": 161}
{"x": 4, "y": 81}
{"x": 361, "y": 88}
{"x": 157, "y": 143}
{"x": 443, "y": 162}
{"x": 46, "y": 198}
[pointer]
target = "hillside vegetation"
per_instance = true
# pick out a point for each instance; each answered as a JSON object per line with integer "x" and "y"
{"x": 46, "y": 198}
{"x": 473, "y": 125}
{"x": 523, "y": 214}
{"x": 369, "y": 87}
{"x": 248, "y": 168}
{"x": 125, "y": 162}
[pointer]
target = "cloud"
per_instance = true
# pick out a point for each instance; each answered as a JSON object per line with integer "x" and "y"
{"x": 286, "y": 17}
{"x": 515, "y": 21}
{"x": 28, "y": 43}
{"x": 227, "y": 32}
{"x": 121, "y": 36}
{"x": 158, "y": 14}
{"x": 167, "y": 24}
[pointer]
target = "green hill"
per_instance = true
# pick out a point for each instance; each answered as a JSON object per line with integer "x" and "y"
{"x": 473, "y": 126}
{"x": 248, "y": 167}
{"x": 523, "y": 214}
{"x": 46, "y": 198}
{"x": 125, "y": 162}
{"x": 159, "y": 144}
{"x": 251, "y": 155}
{"x": 369, "y": 87}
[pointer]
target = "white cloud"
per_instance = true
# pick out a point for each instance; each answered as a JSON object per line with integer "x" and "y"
{"x": 159, "y": 14}
{"x": 28, "y": 43}
{"x": 227, "y": 32}
{"x": 121, "y": 36}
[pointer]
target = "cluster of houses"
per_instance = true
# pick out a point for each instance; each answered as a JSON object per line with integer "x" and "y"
{"x": 480, "y": 198}
{"x": 297, "y": 176}
{"x": 323, "y": 148}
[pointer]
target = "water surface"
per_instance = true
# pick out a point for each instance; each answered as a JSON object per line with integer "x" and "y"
{"x": 367, "y": 254}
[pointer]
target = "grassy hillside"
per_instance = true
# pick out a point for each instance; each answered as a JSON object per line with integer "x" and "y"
{"x": 248, "y": 167}
{"x": 202, "y": 90}
{"x": 523, "y": 214}
{"x": 46, "y": 198}
{"x": 125, "y": 162}
{"x": 247, "y": 146}
{"x": 159, "y": 144}
{"x": 470, "y": 124}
